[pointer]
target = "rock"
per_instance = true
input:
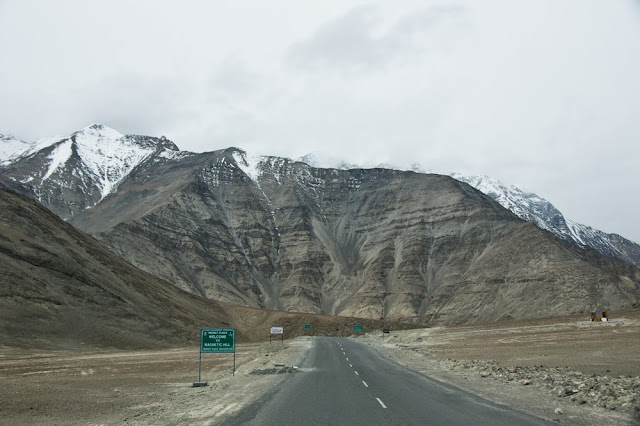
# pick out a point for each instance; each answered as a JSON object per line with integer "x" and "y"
{"x": 485, "y": 374}
{"x": 525, "y": 382}
{"x": 558, "y": 411}
{"x": 294, "y": 236}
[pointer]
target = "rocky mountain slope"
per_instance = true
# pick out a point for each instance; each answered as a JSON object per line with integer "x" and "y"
{"x": 70, "y": 174}
{"x": 532, "y": 208}
{"x": 62, "y": 289}
{"x": 278, "y": 234}
{"x": 526, "y": 206}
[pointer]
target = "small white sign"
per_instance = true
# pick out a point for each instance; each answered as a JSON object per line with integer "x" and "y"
{"x": 277, "y": 330}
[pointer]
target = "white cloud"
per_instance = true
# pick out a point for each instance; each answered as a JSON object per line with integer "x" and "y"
{"x": 540, "y": 94}
{"x": 362, "y": 41}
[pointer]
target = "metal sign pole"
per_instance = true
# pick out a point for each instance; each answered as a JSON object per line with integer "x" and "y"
{"x": 200, "y": 368}
{"x": 234, "y": 362}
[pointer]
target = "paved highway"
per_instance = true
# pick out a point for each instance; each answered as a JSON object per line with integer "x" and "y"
{"x": 348, "y": 383}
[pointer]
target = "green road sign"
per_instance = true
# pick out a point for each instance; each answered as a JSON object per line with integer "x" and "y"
{"x": 307, "y": 326}
{"x": 357, "y": 328}
{"x": 217, "y": 340}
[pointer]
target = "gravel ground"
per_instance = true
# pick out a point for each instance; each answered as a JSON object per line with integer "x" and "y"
{"x": 566, "y": 370}
{"x": 137, "y": 387}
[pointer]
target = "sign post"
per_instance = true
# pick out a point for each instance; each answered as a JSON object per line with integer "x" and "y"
{"x": 276, "y": 330}
{"x": 216, "y": 340}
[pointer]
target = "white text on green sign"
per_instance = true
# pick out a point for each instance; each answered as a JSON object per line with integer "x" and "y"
{"x": 217, "y": 340}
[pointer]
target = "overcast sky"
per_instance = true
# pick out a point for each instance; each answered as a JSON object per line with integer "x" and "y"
{"x": 544, "y": 95}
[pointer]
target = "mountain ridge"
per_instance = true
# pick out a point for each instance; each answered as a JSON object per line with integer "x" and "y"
{"x": 374, "y": 243}
{"x": 532, "y": 208}
{"x": 276, "y": 233}
{"x": 61, "y": 289}
{"x": 90, "y": 162}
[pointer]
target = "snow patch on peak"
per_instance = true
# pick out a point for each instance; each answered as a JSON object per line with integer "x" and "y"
{"x": 99, "y": 130}
{"x": 322, "y": 160}
{"x": 326, "y": 161}
{"x": 249, "y": 164}
{"x": 11, "y": 147}
{"x": 43, "y": 143}
{"x": 108, "y": 155}
{"x": 170, "y": 154}
{"x": 58, "y": 157}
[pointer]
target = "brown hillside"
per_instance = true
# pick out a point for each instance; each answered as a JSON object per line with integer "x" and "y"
{"x": 61, "y": 289}
{"x": 377, "y": 243}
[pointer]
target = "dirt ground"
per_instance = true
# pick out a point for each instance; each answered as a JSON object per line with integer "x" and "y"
{"x": 138, "y": 387}
{"x": 576, "y": 371}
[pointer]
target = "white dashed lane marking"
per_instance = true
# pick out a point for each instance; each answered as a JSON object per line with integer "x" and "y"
{"x": 363, "y": 382}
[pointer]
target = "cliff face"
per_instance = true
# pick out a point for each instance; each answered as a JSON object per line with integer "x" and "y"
{"x": 373, "y": 243}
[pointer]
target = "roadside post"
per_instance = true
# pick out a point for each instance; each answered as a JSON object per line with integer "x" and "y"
{"x": 216, "y": 340}
{"x": 276, "y": 330}
{"x": 385, "y": 331}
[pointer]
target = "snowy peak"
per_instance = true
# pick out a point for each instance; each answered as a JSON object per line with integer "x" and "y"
{"x": 106, "y": 155}
{"x": 527, "y": 206}
{"x": 98, "y": 131}
{"x": 92, "y": 161}
{"x": 324, "y": 161}
{"x": 533, "y": 208}
{"x": 11, "y": 147}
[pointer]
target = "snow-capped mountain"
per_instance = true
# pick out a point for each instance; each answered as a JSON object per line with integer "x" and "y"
{"x": 526, "y": 206}
{"x": 70, "y": 174}
{"x": 533, "y": 208}
{"x": 73, "y": 173}
{"x": 11, "y": 148}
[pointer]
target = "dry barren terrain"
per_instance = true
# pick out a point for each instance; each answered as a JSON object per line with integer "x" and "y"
{"x": 567, "y": 369}
{"x": 576, "y": 373}
{"x": 136, "y": 387}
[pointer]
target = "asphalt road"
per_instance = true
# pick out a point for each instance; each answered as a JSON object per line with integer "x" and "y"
{"x": 349, "y": 383}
